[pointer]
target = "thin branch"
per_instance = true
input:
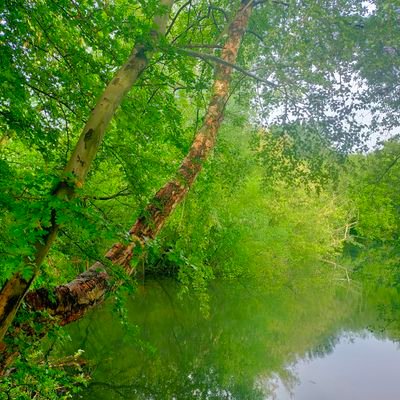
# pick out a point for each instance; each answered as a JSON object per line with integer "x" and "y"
{"x": 215, "y": 22}
{"x": 257, "y": 35}
{"x": 123, "y": 192}
{"x": 223, "y": 62}
{"x": 176, "y": 16}
{"x": 233, "y": 89}
{"x": 49, "y": 95}
{"x": 221, "y": 10}
{"x": 66, "y": 131}
{"x": 87, "y": 253}
{"x": 188, "y": 28}
{"x": 199, "y": 46}
{"x": 45, "y": 31}
{"x": 282, "y": 3}
{"x": 389, "y": 167}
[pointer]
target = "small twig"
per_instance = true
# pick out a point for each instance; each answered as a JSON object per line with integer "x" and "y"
{"x": 123, "y": 192}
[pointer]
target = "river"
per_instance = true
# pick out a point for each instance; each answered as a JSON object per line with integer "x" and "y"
{"x": 312, "y": 342}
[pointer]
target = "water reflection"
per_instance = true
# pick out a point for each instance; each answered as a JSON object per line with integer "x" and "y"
{"x": 251, "y": 334}
{"x": 362, "y": 367}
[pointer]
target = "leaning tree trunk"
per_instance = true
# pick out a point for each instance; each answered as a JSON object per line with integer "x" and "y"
{"x": 16, "y": 287}
{"x": 69, "y": 302}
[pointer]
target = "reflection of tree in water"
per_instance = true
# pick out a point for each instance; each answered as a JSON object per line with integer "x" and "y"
{"x": 288, "y": 377}
{"x": 378, "y": 271}
{"x": 387, "y": 323}
{"x": 324, "y": 348}
{"x": 250, "y": 335}
{"x": 197, "y": 384}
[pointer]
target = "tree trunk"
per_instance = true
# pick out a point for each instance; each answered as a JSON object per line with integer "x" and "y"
{"x": 81, "y": 159}
{"x": 75, "y": 298}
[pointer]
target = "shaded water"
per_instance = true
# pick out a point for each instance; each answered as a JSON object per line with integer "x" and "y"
{"x": 309, "y": 343}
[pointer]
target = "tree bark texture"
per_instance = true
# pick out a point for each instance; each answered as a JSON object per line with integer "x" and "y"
{"x": 89, "y": 288}
{"x": 15, "y": 289}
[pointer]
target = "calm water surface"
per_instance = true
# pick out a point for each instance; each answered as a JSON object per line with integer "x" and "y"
{"x": 308, "y": 343}
{"x": 359, "y": 368}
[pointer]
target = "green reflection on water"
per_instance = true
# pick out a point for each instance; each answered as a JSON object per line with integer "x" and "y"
{"x": 250, "y": 335}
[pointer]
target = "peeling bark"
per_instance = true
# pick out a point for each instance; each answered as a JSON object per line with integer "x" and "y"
{"x": 16, "y": 287}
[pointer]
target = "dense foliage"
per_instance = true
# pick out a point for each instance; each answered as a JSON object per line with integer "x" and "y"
{"x": 280, "y": 201}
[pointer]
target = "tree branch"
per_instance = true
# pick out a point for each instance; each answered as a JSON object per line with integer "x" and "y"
{"x": 210, "y": 57}
{"x": 257, "y": 35}
{"x": 200, "y": 46}
{"x": 221, "y": 10}
{"x": 388, "y": 168}
{"x": 176, "y": 16}
{"x": 123, "y": 192}
{"x": 283, "y": 3}
{"x": 49, "y": 95}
